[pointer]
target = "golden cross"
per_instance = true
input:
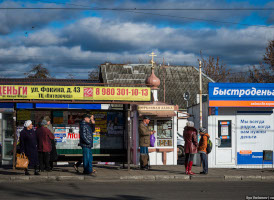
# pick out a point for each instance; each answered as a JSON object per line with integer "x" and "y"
{"x": 152, "y": 56}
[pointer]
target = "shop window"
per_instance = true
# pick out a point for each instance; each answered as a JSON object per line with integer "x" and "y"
{"x": 8, "y": 125}
{"x": 8, "y": 149}
{"x": 164, "y": 133}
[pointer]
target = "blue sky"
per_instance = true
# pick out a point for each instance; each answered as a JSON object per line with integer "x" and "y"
{"x": 71, "y": 41}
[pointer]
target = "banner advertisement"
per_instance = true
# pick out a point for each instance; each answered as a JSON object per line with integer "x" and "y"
{"x": 74, "y": 93}
{"x": 254, "y": 135}
{"x": 241, "y": 94}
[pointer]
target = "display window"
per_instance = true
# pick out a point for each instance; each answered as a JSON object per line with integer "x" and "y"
{"x": 107, "y": 138}
{"x": 164, "y": 133}
{"x": 164, "y": 130}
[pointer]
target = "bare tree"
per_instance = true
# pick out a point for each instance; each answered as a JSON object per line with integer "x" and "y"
{"x": 260, "y": 74}
{"x": 269, "y": 55}
{"x": 94, "y": 74}
{"x": 214, "y": 68}
{"x": 38, "y": 71}
{"x": 239, "y": 77}
{"x": 70, "y": 76}
{"x": 264, "y": 73}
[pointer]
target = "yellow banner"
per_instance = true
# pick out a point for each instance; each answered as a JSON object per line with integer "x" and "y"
{"x": 74, "y": 93}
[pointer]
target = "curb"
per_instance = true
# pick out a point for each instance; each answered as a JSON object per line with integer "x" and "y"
{"x": 232, "y": 178}
{"x": 135, "y": 178}
{"x": 251, "y": 178}
{"x": 268, "y": 178}
{"x": 207, "y": 178}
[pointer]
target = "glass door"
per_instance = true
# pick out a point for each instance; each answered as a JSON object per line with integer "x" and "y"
{"x": 225, "y": 141}
{"x": 7, "y": 133}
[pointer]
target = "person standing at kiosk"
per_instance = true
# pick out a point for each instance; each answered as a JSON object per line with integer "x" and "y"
{"x": 191, "y": 144}
{"x": 202, "y": 149}
{"x": 86, "y": 142}
{"x": 144, "y": 142}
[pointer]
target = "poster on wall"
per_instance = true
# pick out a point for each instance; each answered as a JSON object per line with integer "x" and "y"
{"x": 96, "y": 138}
{"x": 115, "y": 123}
{"x": 100, "y": 120}
{"x": 58, "y": 117}
{"x": 254, "y": 134}
{"x": 67, "y": 137}
{"x": 75, "y": 117}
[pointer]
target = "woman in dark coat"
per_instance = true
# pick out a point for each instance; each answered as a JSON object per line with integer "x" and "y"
{"x": 53, "y": 154}
{"x": 191, "y": 144}
{"x": 28, "y": 145}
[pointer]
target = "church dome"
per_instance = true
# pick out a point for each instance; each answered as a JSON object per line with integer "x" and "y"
{"x": 153, "y": 81}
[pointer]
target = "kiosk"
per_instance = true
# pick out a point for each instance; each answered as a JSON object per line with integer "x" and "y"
{"x": 65, "y": 105}
{"x": 241, "y": 124}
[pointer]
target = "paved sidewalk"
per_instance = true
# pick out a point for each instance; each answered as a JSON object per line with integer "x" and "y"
{"x": 157, "y": 173}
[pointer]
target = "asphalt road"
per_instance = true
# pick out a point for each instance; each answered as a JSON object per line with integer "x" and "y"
{"x": 136, "y": 190}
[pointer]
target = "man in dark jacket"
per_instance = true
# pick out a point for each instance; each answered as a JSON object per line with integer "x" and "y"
{"x": 144, "y": 142}
{"x": 86, "y": 142}
{"x": 44, "y": 136}
{"x": 92, "y": 126}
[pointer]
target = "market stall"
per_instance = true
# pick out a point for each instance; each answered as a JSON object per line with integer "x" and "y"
{"x": 241, "y": 124}
{"x": 65, "y": 105}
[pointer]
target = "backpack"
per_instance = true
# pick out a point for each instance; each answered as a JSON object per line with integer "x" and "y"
{"x": 209, "y": 146}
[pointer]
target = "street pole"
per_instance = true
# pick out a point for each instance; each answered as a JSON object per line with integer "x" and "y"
{"x": 128, "y": 138}
{"x": 14, "y": 140}
{"x": 201, "y": 100}
{"x": 164, "y": 79}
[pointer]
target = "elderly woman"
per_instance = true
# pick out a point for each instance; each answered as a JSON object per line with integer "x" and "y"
{"x": 28, "y": 145}
{"x": 44, "y": 145}
{"x": 191, "y": 144}
{"x": 53, "y": 154}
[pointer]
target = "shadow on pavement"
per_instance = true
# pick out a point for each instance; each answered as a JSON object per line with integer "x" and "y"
{"x": 36, "y": 193}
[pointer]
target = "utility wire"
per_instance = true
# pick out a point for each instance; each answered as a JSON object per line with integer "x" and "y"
{"x": 199, "y": 19}
{"x": 146, "y": 13}
{"x": 142, "y": 9}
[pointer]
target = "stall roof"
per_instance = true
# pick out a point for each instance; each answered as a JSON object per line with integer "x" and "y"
{"x": 158, "y": 109}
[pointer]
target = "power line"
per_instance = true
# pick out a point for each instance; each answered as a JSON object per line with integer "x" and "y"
{"x": 146, "y": 13}
{"x": 88, "y": 72}
{"x": 134, "y": 9}
{"x": 199, "y": 19}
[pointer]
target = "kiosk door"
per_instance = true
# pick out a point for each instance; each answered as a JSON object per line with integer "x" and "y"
{"x": 7, "y": 138}
{"x": 225, "y": 141}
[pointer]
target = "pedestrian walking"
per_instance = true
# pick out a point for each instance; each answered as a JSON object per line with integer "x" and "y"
{"x": 86, "y": 142}
{"x": 28, "y": 146}
{"x": 202, "y": 149}
{"x": 53, "y": 153}
{"x": 191, "y": 144}
{"x": 44, "y": 145}
{"x": 92, "y": 126}
{"x": 144, "y": 142}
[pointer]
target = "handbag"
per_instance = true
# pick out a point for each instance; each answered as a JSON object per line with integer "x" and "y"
{"x": 152, "y": 140}
{"x": 22, "y": 161}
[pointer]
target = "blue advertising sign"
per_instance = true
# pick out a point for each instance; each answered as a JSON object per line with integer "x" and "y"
{"x": 241, "y": 94}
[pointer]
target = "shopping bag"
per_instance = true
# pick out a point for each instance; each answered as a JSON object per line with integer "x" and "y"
{"x": 22, "y": 161}
{"x": 152, "y": 140}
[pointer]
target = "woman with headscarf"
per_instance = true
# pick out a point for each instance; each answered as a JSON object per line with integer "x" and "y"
{"x": 191, "y": 144}
{"x": 44, "y": 136}
{"x": 53, "y": 153}
{"x": 28, "y": 146}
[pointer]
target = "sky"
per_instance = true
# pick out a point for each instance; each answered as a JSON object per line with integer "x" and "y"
{"x": 73, "y": 42}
